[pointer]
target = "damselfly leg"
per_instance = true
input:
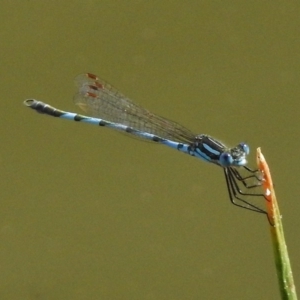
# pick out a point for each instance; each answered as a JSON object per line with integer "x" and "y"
{"x": 239, "y": 185}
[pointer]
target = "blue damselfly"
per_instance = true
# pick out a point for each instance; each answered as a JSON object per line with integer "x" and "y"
{"x": 108, "y": 107}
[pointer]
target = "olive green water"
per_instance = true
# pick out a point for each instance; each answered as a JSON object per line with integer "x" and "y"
{"x": 87, "y": 213}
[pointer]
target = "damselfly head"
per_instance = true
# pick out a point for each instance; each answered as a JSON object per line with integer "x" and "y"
{"x": 244, "y": 147}
{"x": 235, "y": 156}
{"x": 239, "y": 155}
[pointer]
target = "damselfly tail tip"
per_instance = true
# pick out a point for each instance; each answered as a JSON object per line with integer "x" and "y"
{"x": 29, "y": 102}
{"x": 38, "y": 106}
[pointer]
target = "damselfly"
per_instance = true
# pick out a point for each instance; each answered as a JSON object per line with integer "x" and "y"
{"x": 108, "y": 107}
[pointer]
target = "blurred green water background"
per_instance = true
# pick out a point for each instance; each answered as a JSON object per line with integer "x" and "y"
{"x": 87, "y": 213}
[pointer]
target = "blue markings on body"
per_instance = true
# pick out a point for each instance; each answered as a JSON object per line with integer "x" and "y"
{"x": 107, "y": 107}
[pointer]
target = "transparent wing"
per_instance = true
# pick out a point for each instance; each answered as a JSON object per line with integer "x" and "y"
{"x": 99, "y": 99}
